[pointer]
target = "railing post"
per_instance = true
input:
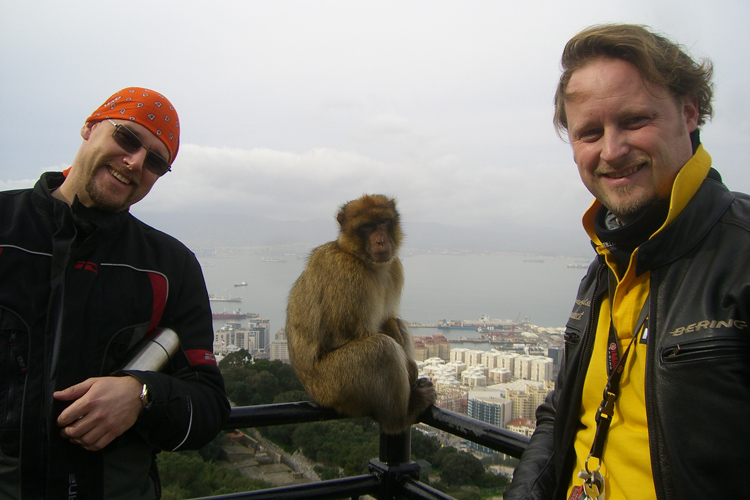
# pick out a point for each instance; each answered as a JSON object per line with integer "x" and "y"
{"x": 394, "y": 464}
{"x": 395, "y": 449}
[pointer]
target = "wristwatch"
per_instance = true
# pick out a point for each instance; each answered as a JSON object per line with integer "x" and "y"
{"x": 145, "y": 397}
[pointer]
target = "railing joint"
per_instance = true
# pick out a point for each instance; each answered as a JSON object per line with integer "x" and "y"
{"x": 391, "y": 476}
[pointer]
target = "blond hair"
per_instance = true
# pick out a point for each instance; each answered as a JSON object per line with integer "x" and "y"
{"x": 660, "y": 61}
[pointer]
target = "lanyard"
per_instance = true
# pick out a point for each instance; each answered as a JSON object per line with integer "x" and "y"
{"x": 593, "y": 481}
{"x": 615, "y": 367}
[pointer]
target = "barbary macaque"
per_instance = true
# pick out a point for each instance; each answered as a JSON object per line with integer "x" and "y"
{"x": 349, "y": 348}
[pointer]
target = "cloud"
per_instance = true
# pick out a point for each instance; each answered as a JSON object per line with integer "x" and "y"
{"x": 291, "y": 108}
{"x": 288, "y": 186}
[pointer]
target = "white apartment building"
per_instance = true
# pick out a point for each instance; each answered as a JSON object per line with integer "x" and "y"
{"x": 488, "y": 406}
{"x": 475, "y": 376}
{"x": 537, "y": 368}
{"x": 278, "y": 348}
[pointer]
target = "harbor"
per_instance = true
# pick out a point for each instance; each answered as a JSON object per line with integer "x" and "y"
{"x": 440, "y": 290}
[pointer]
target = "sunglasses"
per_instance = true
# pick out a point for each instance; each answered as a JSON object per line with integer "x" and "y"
{"x": 127, "y": 140}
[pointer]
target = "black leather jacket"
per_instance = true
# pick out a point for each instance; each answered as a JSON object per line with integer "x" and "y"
{"x": 78, "y": 288}
{"x": 698, "y": 368}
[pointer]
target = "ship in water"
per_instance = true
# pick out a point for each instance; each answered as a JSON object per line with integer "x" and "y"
{"x": 578, "y": 266}
{"x": 214, "y": 298}
{"x": 483, "y": 324}
{"x": 242, "y": 283}
{"x": 234, "y": 315}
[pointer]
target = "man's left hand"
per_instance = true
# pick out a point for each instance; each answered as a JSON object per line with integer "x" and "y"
{"x": 102, "y": 409}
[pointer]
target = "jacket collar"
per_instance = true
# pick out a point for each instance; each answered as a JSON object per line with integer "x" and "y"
{"x": 696, "y": 203}
{"x": 42, "y": 192}
{"x": 50, "y": 206}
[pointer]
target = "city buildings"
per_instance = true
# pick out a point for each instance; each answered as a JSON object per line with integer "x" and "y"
{"x": 500, "y": 387}
{"x": 232, "y": 337}
{"x": 278, "y": 348}
{"x": 436, "y": 346}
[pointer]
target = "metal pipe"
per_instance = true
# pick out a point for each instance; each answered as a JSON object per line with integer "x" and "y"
{"x": 279, "y": 414}
{"x": 482, "y": 433}
{"x": 350, "y": 487}
{"x": 153, "y": 352}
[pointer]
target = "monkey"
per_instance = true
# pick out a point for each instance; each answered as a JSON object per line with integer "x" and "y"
{"x": 349, "y": 348}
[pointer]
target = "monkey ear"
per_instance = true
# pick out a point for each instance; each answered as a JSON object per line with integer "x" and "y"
{"x": 341, "y": 218}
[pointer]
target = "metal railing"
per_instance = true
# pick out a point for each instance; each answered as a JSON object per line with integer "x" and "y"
{"x": 393, "y": 475}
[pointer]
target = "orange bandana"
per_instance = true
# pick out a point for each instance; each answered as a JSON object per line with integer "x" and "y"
{"x": 144, "y": 107}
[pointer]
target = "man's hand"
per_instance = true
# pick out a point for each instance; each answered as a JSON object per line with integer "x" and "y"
{"x": 103, "y": 408}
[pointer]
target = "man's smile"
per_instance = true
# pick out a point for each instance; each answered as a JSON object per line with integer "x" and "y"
{"x": 119, "y": 176}
{"x": 619, "y": 174}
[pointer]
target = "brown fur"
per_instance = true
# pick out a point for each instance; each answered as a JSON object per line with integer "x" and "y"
{"x": 346, "y": 343}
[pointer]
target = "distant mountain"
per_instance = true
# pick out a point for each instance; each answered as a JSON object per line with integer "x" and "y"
{"x": 200, "y": 230}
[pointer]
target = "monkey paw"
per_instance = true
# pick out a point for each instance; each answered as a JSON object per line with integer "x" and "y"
{"x": 423, "y": 382}
{"x": 422, "y": 395}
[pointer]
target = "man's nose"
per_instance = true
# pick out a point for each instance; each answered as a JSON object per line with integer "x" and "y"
{"x": 134, "y": 161}
{"x": 614, "y": 145}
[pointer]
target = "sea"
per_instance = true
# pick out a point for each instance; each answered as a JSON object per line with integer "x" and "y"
{"x": 539, "y": 290}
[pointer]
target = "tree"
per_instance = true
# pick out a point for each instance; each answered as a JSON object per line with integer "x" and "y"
{"x": 466, "y": 494}
{"x": 282, "y": 434}
{"x": 212, "y": 451}
{"x": 489, "y": 480}
{"x": 185, "y": 475}
{"x": 241, "y": 394}
{"x": 349, "y": 444}
{"x": 460, "y": 468}
{"x": 423, "y": 446}
{"x": 439, "y": 456}
{"x": 255, "y": 383}
{"x": 238, "y": 358}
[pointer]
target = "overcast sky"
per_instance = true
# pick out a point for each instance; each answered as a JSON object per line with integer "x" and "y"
{"x": 289, "y": 108}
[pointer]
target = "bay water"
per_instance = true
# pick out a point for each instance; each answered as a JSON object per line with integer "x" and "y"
{"x": 452, "y": 286}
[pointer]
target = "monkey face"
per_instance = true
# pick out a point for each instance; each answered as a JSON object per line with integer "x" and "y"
{"x": 370, "y": 228}
{"x": 377, "y": 239}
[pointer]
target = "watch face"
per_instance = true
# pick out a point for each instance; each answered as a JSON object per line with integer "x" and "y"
{"x": 145, "y": 396}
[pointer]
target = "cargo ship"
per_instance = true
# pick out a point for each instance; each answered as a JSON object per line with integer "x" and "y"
{"x": 214, "y": 298}
{"x": 483, "y": 324}
{"x": 234, "y": 315}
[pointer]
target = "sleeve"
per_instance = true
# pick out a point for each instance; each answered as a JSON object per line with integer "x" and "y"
{"x": 534, "y": 478}
{"x": 188, "y": 404}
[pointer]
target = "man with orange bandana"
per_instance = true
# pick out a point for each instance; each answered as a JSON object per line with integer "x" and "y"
{"x": 653, "y": 394}
{"x": 82, "y": 282}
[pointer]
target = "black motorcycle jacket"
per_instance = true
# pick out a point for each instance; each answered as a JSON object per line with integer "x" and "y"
{"x": 698, "y": 363}
{"x": 78, "y": 289}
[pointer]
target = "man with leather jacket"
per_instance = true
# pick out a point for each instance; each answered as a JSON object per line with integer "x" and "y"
{"x": 82, "y": 282}
{"x": 654, "y": 390}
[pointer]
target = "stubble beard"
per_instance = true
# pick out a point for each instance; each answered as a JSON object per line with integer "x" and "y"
{"x": 624, "y": 202}
{"x": 98, "y": 198}
{"x": 624, "y": 206}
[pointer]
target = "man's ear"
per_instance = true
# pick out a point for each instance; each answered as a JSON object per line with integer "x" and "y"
{"x": 86, "y": 130}
{"x": 690, "y": 112}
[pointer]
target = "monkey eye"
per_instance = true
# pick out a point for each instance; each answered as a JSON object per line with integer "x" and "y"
{"x": 367, "y": 228}
{"x": 373, "y": 225}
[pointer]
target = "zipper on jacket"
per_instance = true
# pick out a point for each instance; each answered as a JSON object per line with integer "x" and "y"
{"x": 704, "y": 349}
{"x": 17, "y": 365}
